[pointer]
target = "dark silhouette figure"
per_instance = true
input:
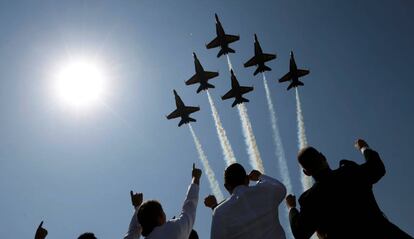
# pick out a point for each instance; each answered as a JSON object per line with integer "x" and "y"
{"x": 182, "y": 111}
{"x": 41, "y": 232}
{"x": 87, "y": 235}
{"x": 341, "y": 203}
{"x": 237, "y": 91}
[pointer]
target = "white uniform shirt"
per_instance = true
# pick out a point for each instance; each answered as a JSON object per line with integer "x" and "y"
{"x": 250, "y": 212}
{"x": 179, "y": 228}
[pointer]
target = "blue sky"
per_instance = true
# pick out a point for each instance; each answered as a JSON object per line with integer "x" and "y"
{"x": 74, "y": 171}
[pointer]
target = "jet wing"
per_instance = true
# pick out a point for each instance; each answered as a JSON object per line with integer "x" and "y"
{"x": 302, "y": 72}
{"x": 231, "y": 38}
{"x": 191, "y": 109}
{"x": 268, "y": 57}
{"x": 174, "y": 114}
{"x": 228, "y": 95}
{"x": 286, "y": 77}
{"x": 210, "y": 74}
{"x": 214, "y": 43}
{"x": 251, "y": 62}
{"x": 193, "y": 80}
{"x": 245, "y": 89}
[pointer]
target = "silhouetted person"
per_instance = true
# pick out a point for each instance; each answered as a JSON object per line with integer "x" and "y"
{"x": 251, "y": 211}
{"x": 41, "y": 232}
{"x": 341, "y": 203}
{"x": 87, "y": 235}
{"x": 149, "y": 218}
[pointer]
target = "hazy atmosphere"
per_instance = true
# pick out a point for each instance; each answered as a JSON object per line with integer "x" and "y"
{"x": 70, "y": 158}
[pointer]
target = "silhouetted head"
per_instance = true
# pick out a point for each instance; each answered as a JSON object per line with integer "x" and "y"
{"x": 312, "y": 161}
{"x": 234, "y": 176}
{"x": 193, "y": 235}
{"x": 87, "y": 235}
{"x": 150, "y": 215}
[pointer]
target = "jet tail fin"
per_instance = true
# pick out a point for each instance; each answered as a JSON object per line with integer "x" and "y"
{"x": 239, "y": 101}
{"x": 205, "y": 87}
{"x": 295, "y": 84}
{"x": 262, "y": 69}
{"x": 225, "y": 51}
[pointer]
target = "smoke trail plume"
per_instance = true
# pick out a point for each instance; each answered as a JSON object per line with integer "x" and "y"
{"x": 303, "y": 141}
{"x": 224, "y": 141}
{"x": 214, "y": 185}
{"x": 280, "y": 152}
{"x": 252, "y": 149}
{"x": 229, "y": 62}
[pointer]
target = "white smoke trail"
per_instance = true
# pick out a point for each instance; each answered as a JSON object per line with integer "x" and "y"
{"x": 224, "y": 141}
{"x": 250, "y": 139}
{"x": 214, "y": 185}
{"x": 229, "y": 62}
{"x": 303, "y": 141}
{"x": 280, "y": 152}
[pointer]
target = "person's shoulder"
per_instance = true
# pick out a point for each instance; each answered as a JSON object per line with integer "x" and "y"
{"x": 346, "y": 167}
{"x": 222, "y": 206}
{"x": 308, "y": 196}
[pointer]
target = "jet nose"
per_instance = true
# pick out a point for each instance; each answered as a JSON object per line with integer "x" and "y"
{"x": 255, "y": 37}
{"x": 194, "y": 55}
{"x": 216, "y": 16}
{"x": 175, "y": 92}
{"x": 291, "y": 53}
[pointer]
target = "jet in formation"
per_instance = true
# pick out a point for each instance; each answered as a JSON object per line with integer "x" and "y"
{"x": 293, "y": 74}
{"x": 236, "y": 91}
{"x": 182, "y": 111}
{"x": 201, "y": 76}
{"x": 222, "y": 40}
{"x": 259, "y": 58}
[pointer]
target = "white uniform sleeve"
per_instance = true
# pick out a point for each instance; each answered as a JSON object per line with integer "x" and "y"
{"x": 217, "y": 228}
{"x": 184, "y": 223}
{"x": 134, "y": 230}
{"x": 275, "y": 187}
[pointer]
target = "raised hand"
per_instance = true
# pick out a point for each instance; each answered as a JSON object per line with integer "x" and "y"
{"x": 291, "y": 201}
{"x": 196, "y": 174}
{"x": 136, "y": 199}
{"x": 360, "y": 143}
{"x": 254, "y": 175}
{"x": 210, "y": 201}
{"x": 41, "y": 232}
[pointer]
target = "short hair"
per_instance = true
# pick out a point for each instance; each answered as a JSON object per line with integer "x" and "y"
{"x": 148, "y": 215}
{"x": 235, "y": 175}
{"x": 193, "y": 234}
{"x": 309, "y": 158}
{"x": 87, "y": 235}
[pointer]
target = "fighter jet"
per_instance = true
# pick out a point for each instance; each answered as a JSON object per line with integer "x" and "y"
{"x": 222, "y": 40}
{"x": 259, "y": 58}
{"x": 293, "y": 74}
{"x": 182, "y": 111}
{"x": 236, "y": 91}
{"x": 201, "y": 76}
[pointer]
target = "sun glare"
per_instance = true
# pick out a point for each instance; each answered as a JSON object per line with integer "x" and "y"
{"x": 80, "y": 84}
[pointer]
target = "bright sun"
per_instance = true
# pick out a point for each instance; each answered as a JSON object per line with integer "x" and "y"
{"x": 81, "y": 83}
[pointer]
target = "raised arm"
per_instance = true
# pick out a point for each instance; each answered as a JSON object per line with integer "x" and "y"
{"x": 301, "y": 223}
{"x": 373, "y": 169}
{"x": 134, "y": 229}
{"x": 271, "y": 184}
{"x": 186, "y": 219}
{"x": 41, "y": 232}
